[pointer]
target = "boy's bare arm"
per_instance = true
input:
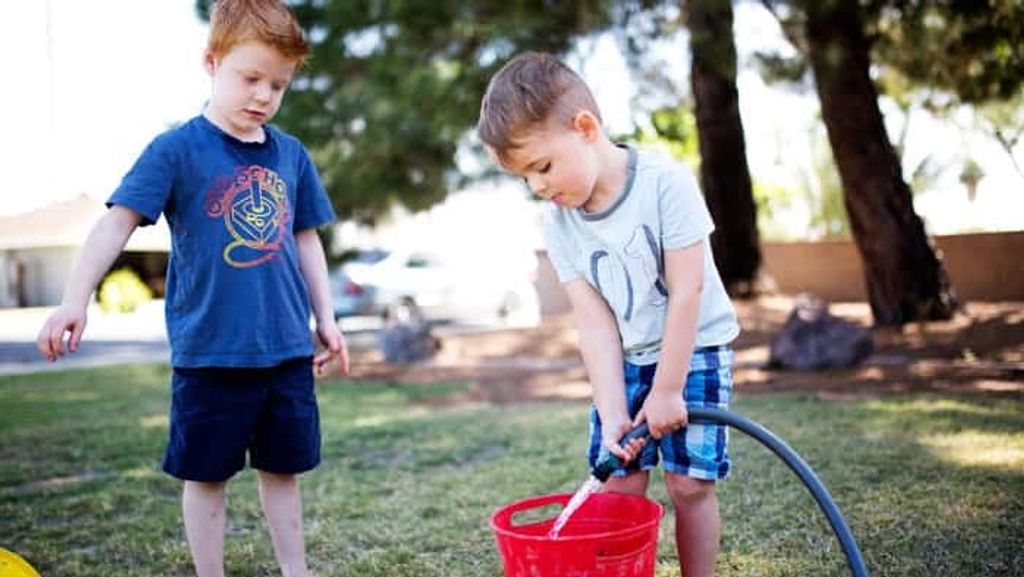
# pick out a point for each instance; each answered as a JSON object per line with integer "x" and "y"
{"x": 665, "y": 409}
{"x": 104, "y": 243}
{"x": 313, "y": 266}
{"x": 601, "y": 348}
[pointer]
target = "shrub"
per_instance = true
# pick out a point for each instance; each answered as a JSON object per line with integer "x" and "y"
{"x": 123, "y": 291}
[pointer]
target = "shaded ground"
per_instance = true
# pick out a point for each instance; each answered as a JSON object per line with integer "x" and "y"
{"x": 979, "y": 352}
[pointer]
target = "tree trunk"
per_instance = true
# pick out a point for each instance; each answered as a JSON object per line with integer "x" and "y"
{"x": 723, "y": 169}
{"x": 905, "y": 278}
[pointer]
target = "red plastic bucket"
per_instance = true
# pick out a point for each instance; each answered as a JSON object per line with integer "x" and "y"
{"x": 611, "y": 535}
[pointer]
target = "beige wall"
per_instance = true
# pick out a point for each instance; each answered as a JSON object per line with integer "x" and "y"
{"x": 982, "y": 267}
{"x": 552, "y": 298}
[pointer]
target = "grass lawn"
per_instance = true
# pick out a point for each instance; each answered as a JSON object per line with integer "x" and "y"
{"x": 931, "y": 486}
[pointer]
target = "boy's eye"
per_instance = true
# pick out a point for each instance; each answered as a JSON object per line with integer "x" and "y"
{"x": 544, "y": 169}
{"x": 276, "y": 87}
{"x": 251, "y": 79}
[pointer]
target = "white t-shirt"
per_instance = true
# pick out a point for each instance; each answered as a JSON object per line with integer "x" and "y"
{"x": 620, "y": 252}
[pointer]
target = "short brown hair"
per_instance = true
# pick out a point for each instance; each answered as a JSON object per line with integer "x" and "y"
{"x": 531, "y": 89}
{"x": 233, "y": 22}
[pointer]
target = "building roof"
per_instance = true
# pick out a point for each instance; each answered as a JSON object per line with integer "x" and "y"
{"x": 66, "y": 224}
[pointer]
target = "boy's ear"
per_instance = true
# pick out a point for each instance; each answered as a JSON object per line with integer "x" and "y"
{"x": 494, "y": 157}
{"x": 587, "y": 123}
{"x": 209, "y": 62}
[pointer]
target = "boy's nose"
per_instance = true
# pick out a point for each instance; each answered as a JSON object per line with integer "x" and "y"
{"x": 537, "y": 185}
{"x": 263, "y": 93}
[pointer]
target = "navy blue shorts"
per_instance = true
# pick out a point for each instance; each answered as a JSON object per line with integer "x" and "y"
{"x": 218, "y": 415}
{"x": 697, "y": 450}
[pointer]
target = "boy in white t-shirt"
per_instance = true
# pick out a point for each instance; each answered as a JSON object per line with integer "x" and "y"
{"x": 627, "y": 234}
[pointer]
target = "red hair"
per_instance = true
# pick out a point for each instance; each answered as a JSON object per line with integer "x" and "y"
{"x": 233, "y": 22}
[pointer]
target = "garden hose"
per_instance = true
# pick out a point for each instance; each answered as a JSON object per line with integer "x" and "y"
{"x": 609, "y": 463}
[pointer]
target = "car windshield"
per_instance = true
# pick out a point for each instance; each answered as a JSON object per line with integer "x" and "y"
{"x": 370, "y": 256}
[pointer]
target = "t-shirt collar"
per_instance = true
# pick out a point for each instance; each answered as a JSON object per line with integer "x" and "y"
{"x": 208, "y": 125}
{"x": 628, "y": 186}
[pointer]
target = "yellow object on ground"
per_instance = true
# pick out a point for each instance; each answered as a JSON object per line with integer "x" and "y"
{"x": 11, "y": 565}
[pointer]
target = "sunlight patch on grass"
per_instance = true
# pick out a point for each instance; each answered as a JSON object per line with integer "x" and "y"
{"x": 45, "y": 395}
{"x": 932, "y": 406}
{"x": 154, "y": 422}
{"x": 139, "y": 473}
{"x": 735, "y": 563}
{"x": 978, "y": 449}
{"x": 381, "y": 419}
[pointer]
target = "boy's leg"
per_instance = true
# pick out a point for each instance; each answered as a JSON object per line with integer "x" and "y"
{"x": 282, "y": 505}
{"x": 632, "y": 484}
{"x": 286, "y": 443}
{"x": 698, "y": 525}
{"x": 203, "y": 507}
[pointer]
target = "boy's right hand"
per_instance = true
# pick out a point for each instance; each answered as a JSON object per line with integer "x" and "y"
{"x": 65, "y": 319}
{"x": 614, "y": 430}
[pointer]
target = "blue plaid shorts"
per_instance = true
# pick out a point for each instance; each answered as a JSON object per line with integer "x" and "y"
{"x": 697, "y": 450}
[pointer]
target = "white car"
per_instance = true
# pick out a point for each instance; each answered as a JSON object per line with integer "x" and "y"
{"x": 349, "y": 297}
{"x": 445, "y": 287}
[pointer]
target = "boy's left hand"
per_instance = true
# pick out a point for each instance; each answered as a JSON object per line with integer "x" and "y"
{"x": 331, "y": 344}
{"x": 665, "y": 413}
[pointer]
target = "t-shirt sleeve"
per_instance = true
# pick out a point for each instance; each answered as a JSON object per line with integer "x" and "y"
{"x": 313, "y": 207}
{"x": 147, "y": 186}
{"x": 558, "y": 251}
{"x": 684, "y": 215}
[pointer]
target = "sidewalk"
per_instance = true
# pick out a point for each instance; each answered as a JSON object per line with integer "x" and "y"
{"x": 115, "y": 338}
{"x": 109, "y": 339}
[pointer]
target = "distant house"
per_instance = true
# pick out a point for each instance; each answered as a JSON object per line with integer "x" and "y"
{"x": 38, "y": 251}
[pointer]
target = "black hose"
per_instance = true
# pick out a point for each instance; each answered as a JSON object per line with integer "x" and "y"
{"x": 802, "y": 470}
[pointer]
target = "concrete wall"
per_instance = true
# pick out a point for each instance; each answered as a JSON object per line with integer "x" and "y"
{"x": 982, "y": 267}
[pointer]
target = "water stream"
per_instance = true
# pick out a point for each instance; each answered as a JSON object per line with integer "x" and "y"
{"x": 588, "y": 488}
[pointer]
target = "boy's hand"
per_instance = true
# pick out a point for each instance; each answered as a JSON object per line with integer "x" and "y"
{"x": 665, "y": 413}
{"x": 65, "y": 319}
{"x": 612, "y": 431}
{"x": 331, "y": 344}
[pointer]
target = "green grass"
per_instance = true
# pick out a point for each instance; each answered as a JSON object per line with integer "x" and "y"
{"x": 930, "y": 486}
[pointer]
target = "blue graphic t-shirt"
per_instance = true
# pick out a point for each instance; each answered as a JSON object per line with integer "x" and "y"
{"x": 234, "y": 294}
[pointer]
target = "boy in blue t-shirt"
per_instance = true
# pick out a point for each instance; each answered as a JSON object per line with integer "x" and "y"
{"x": 627, "y": 236}
{"x": 242, "y": 200}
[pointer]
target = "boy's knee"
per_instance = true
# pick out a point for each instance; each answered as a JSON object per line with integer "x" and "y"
{"x": 206, "y": 487}
{"x": 277, "y": 478}
{"x": 685, "y": 490}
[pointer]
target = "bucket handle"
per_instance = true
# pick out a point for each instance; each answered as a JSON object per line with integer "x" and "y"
{"x": 505, "y": 517}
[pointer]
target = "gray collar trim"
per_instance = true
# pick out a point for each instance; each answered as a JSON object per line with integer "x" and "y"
{"x": 630, "y": 177}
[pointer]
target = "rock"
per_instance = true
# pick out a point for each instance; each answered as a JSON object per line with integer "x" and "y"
{"x": 812, "y": 338}
{"x": 406, "y": 336}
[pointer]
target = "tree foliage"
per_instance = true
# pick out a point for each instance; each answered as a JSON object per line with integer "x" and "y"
{"x": 958, "y": 51}
{"x": 971, "y": 49}
{"x": 673, "y": 130}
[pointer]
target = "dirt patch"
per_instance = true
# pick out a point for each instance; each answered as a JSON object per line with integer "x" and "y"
{"x": 981, "y": 352}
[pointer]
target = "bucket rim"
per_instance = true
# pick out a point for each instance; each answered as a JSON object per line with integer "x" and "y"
{"x": 541, "y": 500}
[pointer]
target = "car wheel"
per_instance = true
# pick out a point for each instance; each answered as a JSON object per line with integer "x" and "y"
{"x": 404, "y": 310}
